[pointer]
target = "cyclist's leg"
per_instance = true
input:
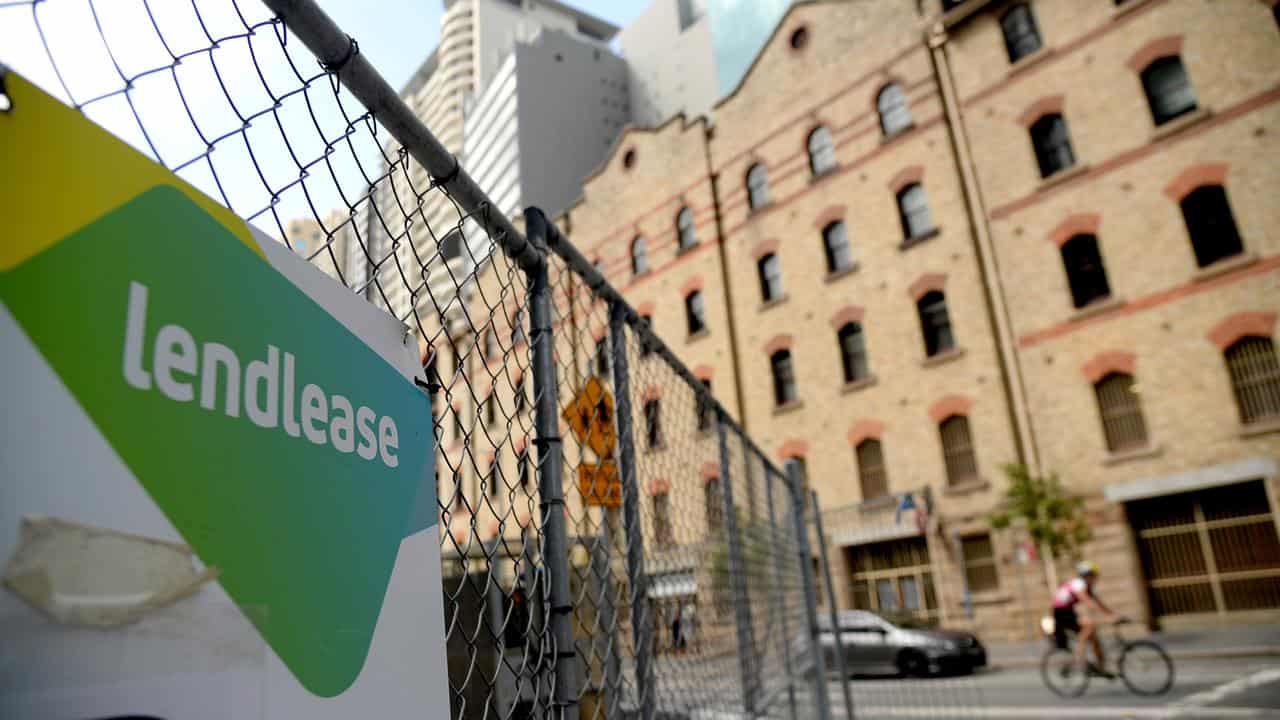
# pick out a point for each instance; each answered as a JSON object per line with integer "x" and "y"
{"x": 1086, "y": 636}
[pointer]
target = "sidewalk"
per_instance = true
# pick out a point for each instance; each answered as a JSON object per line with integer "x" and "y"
{"x": 1251, "y": 641}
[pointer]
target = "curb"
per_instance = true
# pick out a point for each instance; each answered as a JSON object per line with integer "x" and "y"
{"x": 1256, "y": 651}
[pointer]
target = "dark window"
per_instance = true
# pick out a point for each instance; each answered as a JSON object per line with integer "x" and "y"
{"x": 629, "y": 159}
{"x": 835, "y": 241}
{"x": 639, "y": 256}
{"x": 517, "y": 328}
{"x": 801, "y": 474}
{"x": 459, "y": 497}
{"x": 662, "y": 532}
{"x": 1211, "y": 225}
{"x": 895, "y": 116}
{"x": 713, "y": 502}
{"x": 913, "y": 207}
{"x": 455, "y": 361}
{"x": 757, "y": 186}
{"x": 951, "y": 4}
{"x": 451, "y": 245}
{"x": 1121, "y": 412}
{"x": 935, "y": 323}
{"x": 1255, "y": 378}
{"x": 1085, "y": 272}
{"x": 784, "y": 377}
{"x": 695, "y": 315}
{"x": 706, "y": 409}
{"x": 822, "y": 153}
{"x": 523, "y": 460}
{"x": 871, "y": 471}
{"x": 1052, "y": 145}
{"x": 979, "y": 563}
{"x": 1021, "y": 37}
{"x": 490, "y": 410}
{"x": 853, "y": 352}
{"x": 770, "y": 270}
{"x": 957, "y": 449}
{"x": 493, "y": 477}
{"x": 602, "y": 357}
{"x": 1169, "y": 91}
{"x": 685, "y": 229}
{"x": 800, "y": 38}
{"x": 653, "y": 423}
{"x": 457, "y": 424}
{"x": 433, "y": 372}
{"x": 521, "y": 400}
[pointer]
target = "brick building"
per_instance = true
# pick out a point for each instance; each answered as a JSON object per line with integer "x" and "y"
{"x": 921, "y": 240}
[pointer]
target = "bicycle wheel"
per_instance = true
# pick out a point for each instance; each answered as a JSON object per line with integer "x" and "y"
{"x": 1062, "y": 675}
{"x": 1146, "y": 668}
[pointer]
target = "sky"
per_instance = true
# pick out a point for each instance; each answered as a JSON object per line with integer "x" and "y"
{"x": 185, "y": 99}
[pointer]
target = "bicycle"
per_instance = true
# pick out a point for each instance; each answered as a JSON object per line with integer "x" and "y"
{"x": 1143, "y": 665}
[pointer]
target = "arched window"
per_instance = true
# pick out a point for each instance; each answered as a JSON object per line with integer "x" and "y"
{"x": 451, "y": 245}
{"x": 639, "y": 256}
{"x": 769, "y": 269}
{"x": 646, "y": 348}
{"x": 935, "y": 323}
{"x": 494, "y": 477}
{"x": 853, "y": 352}
{"x": 522, "y": 460}
{"x": 490, "y": 410}
{"x": 1121, "y": 411}
{"x": 490, "y": 345}
{"x": 706, "y": 409}
{"x": 835, "y": 244}
{"x": 518, "y": 335}
{"x": 913, "y": 207}
{"x": 1052, "y": 145}
{"x": 1021, "y": 36}
{"x": 757, "y": 186}
{"x": 695, "y": 314}
{"x": 662, "y": 531}
{"x": 822, "y": 153}
{"x": 602, "y": 357}
{"x": 653, "y": 423}
{"x": 521, "y": 400}
{"x": 801, "y": 474}
{"x": 1255, "y": 378}
{"x": 685, "y": 229}
{"x": 957, "y": 450}
{"x": 784, "y": 377}
{"x": 1085, "y": 272}
{"x": 1210, "y": 224}
{"x": 1169, "y": 91}
{"x": 895, "y": 116}
{"x": 871, "y": 471}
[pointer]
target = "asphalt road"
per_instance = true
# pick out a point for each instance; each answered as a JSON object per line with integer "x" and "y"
{"x": 1234, "y": 688}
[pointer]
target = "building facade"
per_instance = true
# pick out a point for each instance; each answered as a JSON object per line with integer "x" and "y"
{"x": 932, "y": 241}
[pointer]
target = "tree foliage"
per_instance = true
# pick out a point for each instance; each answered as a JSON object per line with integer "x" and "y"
{"x": 1053, "y": 519}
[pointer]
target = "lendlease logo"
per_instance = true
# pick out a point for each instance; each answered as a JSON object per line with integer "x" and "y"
{"x": 268, "y": 400}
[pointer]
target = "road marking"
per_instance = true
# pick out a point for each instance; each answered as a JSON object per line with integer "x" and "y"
{"x": 1196, "y": 702}
{"x": 1069, "y": 712}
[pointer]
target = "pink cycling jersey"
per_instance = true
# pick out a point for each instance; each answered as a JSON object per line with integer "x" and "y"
{"x": 1069, "y": 593}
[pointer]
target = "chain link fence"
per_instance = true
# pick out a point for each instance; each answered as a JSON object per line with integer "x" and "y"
{"x": 613, "y": 544}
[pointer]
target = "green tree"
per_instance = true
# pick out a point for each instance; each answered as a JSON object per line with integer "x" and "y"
{"x": 1053, "y": 519}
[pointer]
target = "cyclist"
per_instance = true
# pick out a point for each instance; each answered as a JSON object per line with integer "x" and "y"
{"x": 1079, "y": 589}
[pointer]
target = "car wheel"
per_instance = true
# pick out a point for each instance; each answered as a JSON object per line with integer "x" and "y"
{"x": 913, "y": 663}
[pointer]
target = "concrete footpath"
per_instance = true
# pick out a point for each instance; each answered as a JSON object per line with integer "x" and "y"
{"x": 1237, "y": 642}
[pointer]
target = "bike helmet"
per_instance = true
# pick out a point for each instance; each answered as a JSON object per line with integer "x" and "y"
{"x": 1086, "y": 568}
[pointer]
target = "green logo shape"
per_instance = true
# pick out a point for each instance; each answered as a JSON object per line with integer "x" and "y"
{"x": 304, "y": 529}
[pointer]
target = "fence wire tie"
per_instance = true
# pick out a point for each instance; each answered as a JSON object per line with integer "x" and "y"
{"x": 334, "y": 67}
{"x": 449, "y": 176}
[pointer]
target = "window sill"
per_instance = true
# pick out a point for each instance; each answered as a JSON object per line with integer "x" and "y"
{"x": 1063, "y": 176}
{"x": 1035, "y": 58}
{"x": 1138, "y": 453}
{"x": 860, "y": 384}
{"x": 876, "y": 504}
{"x": 1180, "y": 123}
{"x": 918, "y": 239}
{"x": 1224, "y": 266}
{"x": 1260, "y": 427}
{"x": 1127, "y": 7}
{"x": 1098, "y": 307}
{"x": 815, "y": 178}
{"x": 989, "y": 597}
{"x": 767, "y": 304}
{"x": 967, "y": 487}
{"x": 686, "y": 249}
{"x": 760, "y": 209}
{"x": 942, "y": 358}
{"x": 696, "y": 336}
{"x": 788, "y": 407}
{"x": 842, "y": 272}
{"x": 901, "y": 132}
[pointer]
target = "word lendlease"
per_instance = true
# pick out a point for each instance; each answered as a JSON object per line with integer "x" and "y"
{"x": 322, "y": 418}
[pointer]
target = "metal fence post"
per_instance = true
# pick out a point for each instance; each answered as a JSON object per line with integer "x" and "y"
{"x": 555, "y": 547}
{"x": 737, "y": 577}
{"x": 606, "y": 617}
{"x": 810, "y": 594}
{"x": 778, "y": 584}
{"x": 641, "y": 632}
{"x": 831, "y": 606}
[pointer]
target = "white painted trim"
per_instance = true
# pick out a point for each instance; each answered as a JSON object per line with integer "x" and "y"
{"x": 876, "y": 533}
{"x": 1205, "y": 477}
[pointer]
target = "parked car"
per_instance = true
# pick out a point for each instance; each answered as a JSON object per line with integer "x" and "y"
{"x": 873, "y": 645}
